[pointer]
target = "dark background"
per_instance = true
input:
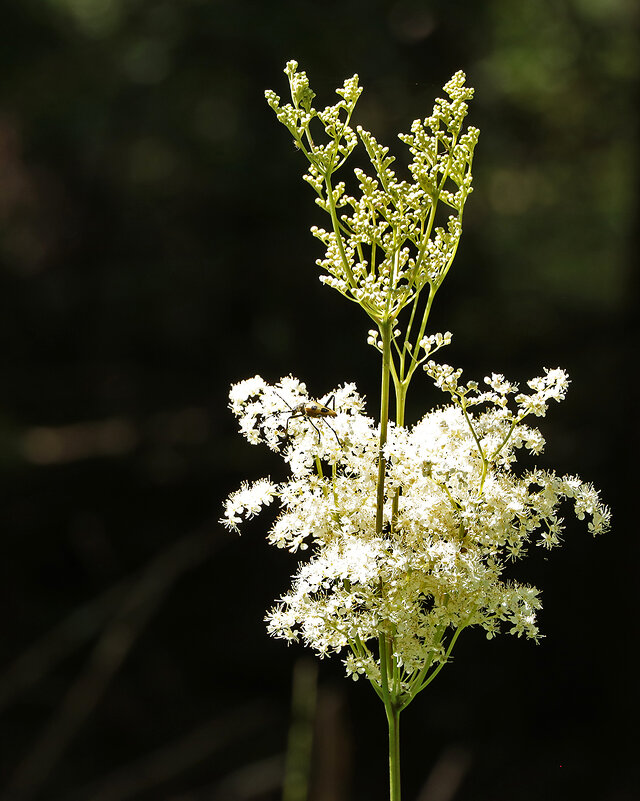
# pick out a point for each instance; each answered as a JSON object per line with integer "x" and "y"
{"x": 154, "y": 248}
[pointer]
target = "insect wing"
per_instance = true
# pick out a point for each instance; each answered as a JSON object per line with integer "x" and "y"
{"x": 315, "y": 409}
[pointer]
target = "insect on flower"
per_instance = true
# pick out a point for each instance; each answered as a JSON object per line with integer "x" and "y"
{"x": 311, "y": 410}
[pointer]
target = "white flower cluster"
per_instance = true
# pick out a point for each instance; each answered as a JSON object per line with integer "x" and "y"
{"x": 454, "y": 511}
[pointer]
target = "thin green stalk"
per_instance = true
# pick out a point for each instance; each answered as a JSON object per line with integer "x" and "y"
{"x": 384, "y": 665}
{"x": 507, "y": 437}
{"x": 337, "y": 230}
{"x": 401, "y": 397}
{"x": 428, "y": 680}
{"x": 407, "y": 336}
{"x": 385, "y": 332}
{"x": 423, "y": 326}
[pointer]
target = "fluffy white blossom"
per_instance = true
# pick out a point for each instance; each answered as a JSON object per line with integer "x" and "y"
{"x": 246, "y": 502}
{"x": 455, "y": 510}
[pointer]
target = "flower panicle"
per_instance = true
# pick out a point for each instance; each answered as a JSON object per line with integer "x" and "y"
{"x": 384, "y": 242}
{"x": 408, "y": 528}
{"x": 460, "y": 513}
{"x": 552, "y": 385}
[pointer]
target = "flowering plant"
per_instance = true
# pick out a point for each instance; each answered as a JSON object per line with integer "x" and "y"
{"x": 409, "y": 527}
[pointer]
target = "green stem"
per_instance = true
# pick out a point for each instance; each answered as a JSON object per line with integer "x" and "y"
{"x": 385, "y": 333}
{"x": 401, "y": 397}
{"x": 393, "y": 720}
{"x": 392, "y": 708}
{"x": 337, "y": 230}
{"x": 423, "y": 326}
{"x": 428, "y": 680}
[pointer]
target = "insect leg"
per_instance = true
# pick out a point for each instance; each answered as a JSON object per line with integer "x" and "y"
{"x": 331, "y": 402}
{"x": 316, "y": 428}
{"x": 333, "y": 431}
{"x": 291, "y": 416}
